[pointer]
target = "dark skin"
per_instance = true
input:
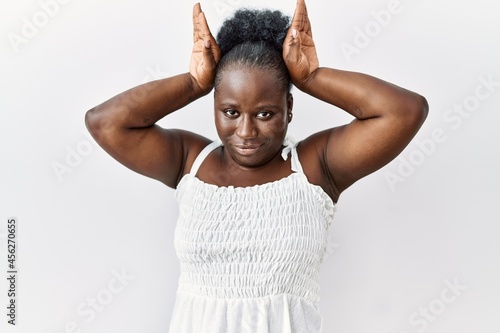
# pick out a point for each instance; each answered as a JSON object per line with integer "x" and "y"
{"x": 252, "y": 116}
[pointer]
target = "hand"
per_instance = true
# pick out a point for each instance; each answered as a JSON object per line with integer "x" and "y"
{"x": 206, "y": 53}
{"x": 299, "y": 51}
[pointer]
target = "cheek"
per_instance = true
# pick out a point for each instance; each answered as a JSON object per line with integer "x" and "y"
{"x": 223, "y": 125}
{"x": 277, "y": 125}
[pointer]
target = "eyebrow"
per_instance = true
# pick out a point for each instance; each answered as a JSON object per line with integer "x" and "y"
{"x": 259, "y": 106}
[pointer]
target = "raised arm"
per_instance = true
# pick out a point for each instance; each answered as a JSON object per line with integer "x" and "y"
{"x": 387, "y": 116}
{"x": 125, "y": 127}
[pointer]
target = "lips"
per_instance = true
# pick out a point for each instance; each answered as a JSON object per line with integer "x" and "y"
{"x": 246, "y": 149}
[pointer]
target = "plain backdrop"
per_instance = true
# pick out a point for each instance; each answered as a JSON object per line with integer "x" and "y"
{"x": 415, "y": 247}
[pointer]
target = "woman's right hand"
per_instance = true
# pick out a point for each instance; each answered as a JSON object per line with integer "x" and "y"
{"x": 206, "y": 53}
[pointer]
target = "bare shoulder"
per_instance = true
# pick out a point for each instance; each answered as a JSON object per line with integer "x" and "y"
{"x": 192, "y": 145}
{"x": 312, "y": 153}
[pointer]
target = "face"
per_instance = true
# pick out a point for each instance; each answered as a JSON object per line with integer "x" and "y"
{"x": 251, "y": 115}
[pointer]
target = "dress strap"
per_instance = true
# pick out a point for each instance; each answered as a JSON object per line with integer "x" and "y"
{"x": 291, "y": 147}
{"x": 202, "y": 155}
{"x": 296, "y": 166}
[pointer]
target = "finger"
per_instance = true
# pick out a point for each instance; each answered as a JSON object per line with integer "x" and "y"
{"x": 210, "y": 46}
{"x": 300, "y": 20}
{"x": 203, "y": 29}
{"x": 209, "y": 61}
{"x": 292, "y": 49}
{"x": 307, "y": 22}
{"x": 196, "y": 10}
{"x": 196, "y": 14}
{"x": 298, "y": 15}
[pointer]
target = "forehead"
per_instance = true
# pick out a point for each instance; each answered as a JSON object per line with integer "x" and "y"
{"x": 248, "y": 83}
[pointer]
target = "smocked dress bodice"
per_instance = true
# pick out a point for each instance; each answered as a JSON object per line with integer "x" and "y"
{"x": 250, "y": 256}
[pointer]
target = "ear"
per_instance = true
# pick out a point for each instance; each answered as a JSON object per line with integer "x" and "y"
{"x": 289, "y": 104}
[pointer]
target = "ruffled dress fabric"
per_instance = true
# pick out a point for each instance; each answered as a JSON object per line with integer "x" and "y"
{"x": 250, "y": 256}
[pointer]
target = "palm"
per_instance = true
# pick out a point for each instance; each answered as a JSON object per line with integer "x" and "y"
{"x": 308, "y": 52}
{"x": 200, "y": 71}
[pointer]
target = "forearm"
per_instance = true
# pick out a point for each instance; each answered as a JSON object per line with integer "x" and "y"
{"x": 361, "y": 95}
{"x": 144, "y": 105}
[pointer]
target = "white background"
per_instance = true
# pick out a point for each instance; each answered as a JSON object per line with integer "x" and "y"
{"x": 395, "y": 245}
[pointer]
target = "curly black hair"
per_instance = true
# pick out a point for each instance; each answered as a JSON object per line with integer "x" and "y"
{"x": 254, "y": 38}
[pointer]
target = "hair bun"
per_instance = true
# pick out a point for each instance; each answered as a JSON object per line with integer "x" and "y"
{"x": 252, "y": 25}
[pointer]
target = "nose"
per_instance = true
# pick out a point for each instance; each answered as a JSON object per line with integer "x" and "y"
{"x": 246, "y": 127}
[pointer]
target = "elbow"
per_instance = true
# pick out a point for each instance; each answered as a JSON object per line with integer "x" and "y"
{"x": 91, "y": 122}
{"x": 98, "y": 124}
{"x": 418, "y": 110}
{"x": 423, "y": 107}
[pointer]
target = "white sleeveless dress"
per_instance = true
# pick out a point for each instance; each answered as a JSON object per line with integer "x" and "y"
{"x": 250, "y": 256}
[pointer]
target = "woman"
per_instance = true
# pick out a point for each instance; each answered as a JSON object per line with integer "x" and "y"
{"x": 253, "y": 223}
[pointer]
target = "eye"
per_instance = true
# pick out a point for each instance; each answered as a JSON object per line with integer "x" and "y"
{"x": 264, "y": 114}
{"x": 231, "y": 113}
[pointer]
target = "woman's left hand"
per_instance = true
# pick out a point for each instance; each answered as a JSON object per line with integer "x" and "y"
{"x": 299, "y": 51}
